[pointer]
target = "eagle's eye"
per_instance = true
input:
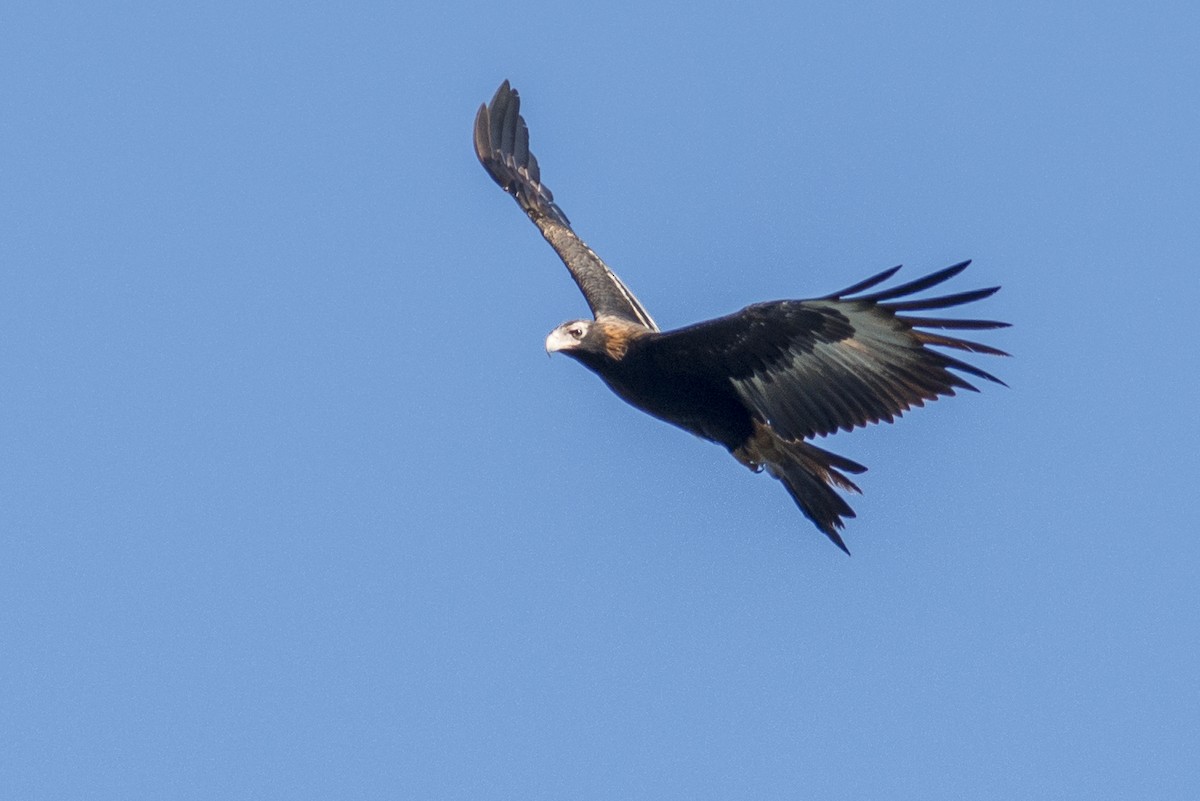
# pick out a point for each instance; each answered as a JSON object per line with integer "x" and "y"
{"x": 575, "y": 331}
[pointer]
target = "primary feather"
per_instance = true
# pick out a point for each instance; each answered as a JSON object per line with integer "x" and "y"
{"x": 502, "y": 145}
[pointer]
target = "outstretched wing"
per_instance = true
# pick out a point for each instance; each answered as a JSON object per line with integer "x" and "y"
{"x": 502, "y": 145}
{"x": 811, "y": 367}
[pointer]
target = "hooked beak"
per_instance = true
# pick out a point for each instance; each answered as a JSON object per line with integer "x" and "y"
{"x": 558, "y": 340}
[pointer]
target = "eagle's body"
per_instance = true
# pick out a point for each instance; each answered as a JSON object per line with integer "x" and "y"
{"x": 764, "y": 380}
{"x": 648, "y": 376}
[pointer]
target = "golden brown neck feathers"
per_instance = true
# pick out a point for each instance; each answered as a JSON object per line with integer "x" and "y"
{"x": 617, "y": 334}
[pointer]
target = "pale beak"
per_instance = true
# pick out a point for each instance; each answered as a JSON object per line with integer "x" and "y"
{"x": 558, "y": 340}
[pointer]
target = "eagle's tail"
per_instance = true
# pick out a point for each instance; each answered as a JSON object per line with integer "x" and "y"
{"x": 810, "y": 474}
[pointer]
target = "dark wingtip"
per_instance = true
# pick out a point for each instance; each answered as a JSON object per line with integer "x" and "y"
{"x": 502, "y": 147}
{"x": 505, "y": 88}
{"x": 938, "y": 322}
{"x": 942, "y": 302}
{"x": 482, "y": 137}
{"x": 919, "y": 285}
{"x": 862, "y": 286}
{"x": 958, "y": 364}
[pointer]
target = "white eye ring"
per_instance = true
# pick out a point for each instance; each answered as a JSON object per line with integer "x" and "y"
{"x": 576, "y": 332}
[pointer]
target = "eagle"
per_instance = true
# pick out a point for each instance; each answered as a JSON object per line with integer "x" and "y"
{"x": 765, "y": 381}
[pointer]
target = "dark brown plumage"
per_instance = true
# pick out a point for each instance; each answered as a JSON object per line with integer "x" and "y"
{"x": 766, "y": 379}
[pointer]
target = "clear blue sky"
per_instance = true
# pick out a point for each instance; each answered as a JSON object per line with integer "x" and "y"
{"x": 293, "y": 504}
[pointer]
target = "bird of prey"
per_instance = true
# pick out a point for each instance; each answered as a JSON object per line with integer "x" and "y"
{"x": 763, "y": 381}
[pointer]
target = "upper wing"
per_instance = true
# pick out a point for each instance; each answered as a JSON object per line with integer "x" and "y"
{"x": 502, "y": 145}
{"x": 810, "y": 367}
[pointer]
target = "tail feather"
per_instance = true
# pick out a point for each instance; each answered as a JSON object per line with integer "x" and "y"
{"x": 810, "y": 475}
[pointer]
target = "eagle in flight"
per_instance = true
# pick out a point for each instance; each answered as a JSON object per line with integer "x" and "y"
{"x": 764, "y": 381}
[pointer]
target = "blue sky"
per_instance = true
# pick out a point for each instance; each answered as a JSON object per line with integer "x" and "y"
{"x": 293, "y": 505}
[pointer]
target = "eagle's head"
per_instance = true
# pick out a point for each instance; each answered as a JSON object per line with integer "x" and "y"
{"x": 588, "y": 340}
{"x": 569, "y": 337}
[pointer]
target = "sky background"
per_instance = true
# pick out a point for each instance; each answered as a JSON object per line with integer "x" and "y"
{"x": 293, "y": 504}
